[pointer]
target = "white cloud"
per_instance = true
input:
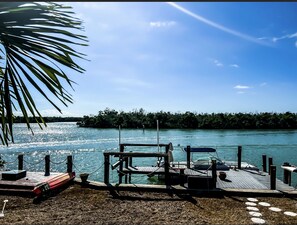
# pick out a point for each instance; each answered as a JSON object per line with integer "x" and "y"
{"x": 242, "y": 87}
{"x": 234, "y": 65}
{"x": 263, "y": 84}
{"x": 240, "y": 92}
{"x": 159, "y": 24}
{"x": 218, "y": 63}
{"x": 288, "y": 36}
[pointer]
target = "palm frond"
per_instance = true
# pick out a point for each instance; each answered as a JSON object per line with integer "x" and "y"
{"x": 37, "y": 41}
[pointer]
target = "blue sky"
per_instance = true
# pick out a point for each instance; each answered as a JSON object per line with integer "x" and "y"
{"x": 202, "y": 57}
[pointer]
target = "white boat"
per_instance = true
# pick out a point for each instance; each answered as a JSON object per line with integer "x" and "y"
{"x": 205, "y": 162}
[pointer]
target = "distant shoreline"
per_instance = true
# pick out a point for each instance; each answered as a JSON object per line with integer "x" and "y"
{"x": 188, "y": 120}
{"x": 139, "y": 119}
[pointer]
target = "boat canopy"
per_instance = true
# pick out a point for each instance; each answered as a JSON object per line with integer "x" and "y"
{"x": 201, "y": 150}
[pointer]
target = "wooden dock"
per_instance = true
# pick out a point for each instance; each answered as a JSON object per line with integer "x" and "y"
{"x": 25, "y": 186}
{"x": 237, "y": 182}
{"x": 22, "y": 182}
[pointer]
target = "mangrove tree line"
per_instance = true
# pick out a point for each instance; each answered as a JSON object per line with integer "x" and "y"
{"x": 110, "y": 118}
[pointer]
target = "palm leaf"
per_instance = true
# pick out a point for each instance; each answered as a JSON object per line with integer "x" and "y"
{"x": 37, "y": 41}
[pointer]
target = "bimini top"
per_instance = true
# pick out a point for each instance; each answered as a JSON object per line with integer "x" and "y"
{"x": 201, "y": 150}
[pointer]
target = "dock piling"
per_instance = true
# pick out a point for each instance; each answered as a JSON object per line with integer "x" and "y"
{"x": 188, "y": 156}
{"x": 126, "y": 166}
{"x": 47, "y": 165}
{"x": 106, "y": 168}
{"x": 239, "y": 151}
{"x": 166, "y": 167}
{"x": 69, "y": 164}
{"x": 287, "y": 174}
{"x": 21, "y": 162}
{"x": 182, "y": 177}
{"x": 272, "y": 177}
{"x": 264, "y": 163}
{"x": 214, "y": 171}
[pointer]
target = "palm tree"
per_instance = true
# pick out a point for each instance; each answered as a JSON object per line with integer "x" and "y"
{"x": 36, "y": 44}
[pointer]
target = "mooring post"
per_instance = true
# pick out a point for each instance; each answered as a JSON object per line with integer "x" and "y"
{"x": 106, "y": 168}
{"x": 214, "y": 171}
{"x": 287, "y": 174}
{"x": 69, "y": 164}
{"x": 182, "y": 177}
{"x": 122, "y": 147}
{"x": 239, "y": 151}
{"x": 264, "y": 163}
{"x": 272, "y": 177}
{"x": 126, "y": 166}
{"x": 166, "y": 167}
{"x": 188, "y": 156}
{"x": 21, "y": 161}
{"x": 130, "y": 164}
{"x": 47, "y": 165}
{"x": 270, "y": 162}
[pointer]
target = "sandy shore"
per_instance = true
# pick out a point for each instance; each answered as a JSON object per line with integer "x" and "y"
{"x": 79, "y": 205}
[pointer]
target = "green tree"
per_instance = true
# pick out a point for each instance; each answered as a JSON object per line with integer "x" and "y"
{"x": 36, "y": 45}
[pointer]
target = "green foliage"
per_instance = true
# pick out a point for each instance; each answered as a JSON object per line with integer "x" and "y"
{"x": 109, "y": 118}
{"x": 36, "y": 42}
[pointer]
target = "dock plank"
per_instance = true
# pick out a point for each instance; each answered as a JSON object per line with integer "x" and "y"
{"x": 240, "y": 179}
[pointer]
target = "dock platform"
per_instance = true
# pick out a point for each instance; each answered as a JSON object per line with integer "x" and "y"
{"x": 25, "y": 185}
{"x": 246, "y": 182}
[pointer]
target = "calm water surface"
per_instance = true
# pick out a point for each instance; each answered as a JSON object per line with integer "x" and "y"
{"x": 87, "y": 146}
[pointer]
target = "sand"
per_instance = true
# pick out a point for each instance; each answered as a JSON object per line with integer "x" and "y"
{"x": 81, "y": 205}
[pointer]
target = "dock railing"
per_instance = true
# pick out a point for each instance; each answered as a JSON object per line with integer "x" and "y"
{"x": 126, "y": 157}
{"x": 47, "y": 161}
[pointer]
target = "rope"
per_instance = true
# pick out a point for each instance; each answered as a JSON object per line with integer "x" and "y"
{"x": 34, "y": 163}
{"x": 58, "y": 162}
{"x": 97, "y": 169}
{"x": 7, "y": 162}
{"x": 76, "y": 168}
{"x": 79, "y": 171}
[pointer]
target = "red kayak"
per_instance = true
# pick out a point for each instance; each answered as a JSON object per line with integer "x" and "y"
{"x": 53, "y": 183}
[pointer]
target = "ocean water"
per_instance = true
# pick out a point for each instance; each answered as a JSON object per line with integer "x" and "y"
{"x": 86, "y": 145}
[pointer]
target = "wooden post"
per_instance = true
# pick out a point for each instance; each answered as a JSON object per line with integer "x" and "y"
{"x": 287, "y": 174}
{"x": 272, "y": 177}
{"x": 167, "y": 148}
{"x": 122, "y": 148}
{"x": 166, "y": 167}
{"x": 47, "y": 165}
{"x": 106, "y": 168}
{"x": 214, "y": 171}
{"x": 270, "y": 162}
{"x": 239, "y": 151}
{"x": 130, "y": 164}
{"x": 188, "y": 156}
{"x": 21, "y": 162}
{"x": 126, "y": 166}
{"x": 264, "y": 163}
{"x": 69, "y": 164}
{"x": 182, "y": 177}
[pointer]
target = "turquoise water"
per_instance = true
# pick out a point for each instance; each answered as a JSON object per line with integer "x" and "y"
{"x": 87, "y": 146}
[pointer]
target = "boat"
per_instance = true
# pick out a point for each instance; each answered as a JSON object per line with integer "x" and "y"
{"x": 53, "y": 183}
{"x": 205, "y": 162}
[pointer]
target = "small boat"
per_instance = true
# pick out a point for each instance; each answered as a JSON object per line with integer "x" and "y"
{"x": 205, "y": 162}
{"x": 53, "y": 183}
{"x": 202, "y": 163}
